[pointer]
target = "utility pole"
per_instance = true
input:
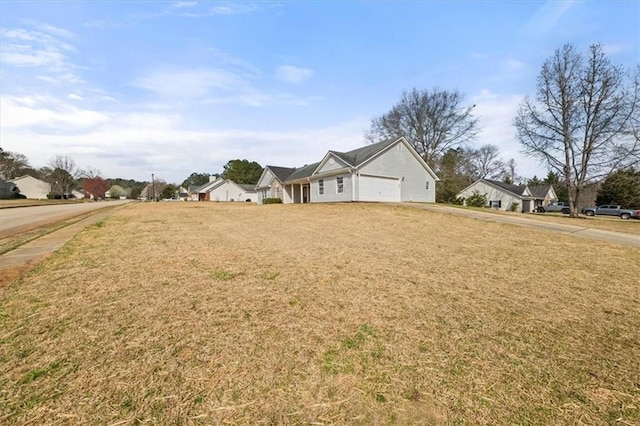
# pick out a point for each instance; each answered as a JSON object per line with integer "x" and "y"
{"x": 153, "y": 188}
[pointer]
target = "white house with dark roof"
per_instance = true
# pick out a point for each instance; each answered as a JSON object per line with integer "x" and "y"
{"x": 219, "y": 189}
{"x": 270, "y": 184}
{"x": 228, "y": 190}
{"x": 387, "y": 171}
{"x": 502, "y": 196}
{"x": 32, "y": 187}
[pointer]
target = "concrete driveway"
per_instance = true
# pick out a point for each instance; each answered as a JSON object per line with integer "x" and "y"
{"x": 21, "y": 219}
{"x": 578, "y": 231}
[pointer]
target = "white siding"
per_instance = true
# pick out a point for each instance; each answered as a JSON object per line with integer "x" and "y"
{"x": 493, "y": 194}
{"x": 265, "y": 179}
{"x": 379, "y": 189}
{"x": 31, "y": 187}
{"x": 231, "y": 192}
{"x": 330, "y": 189}
{"x": 402, "y": 164}
{"x": 331, "y": 163}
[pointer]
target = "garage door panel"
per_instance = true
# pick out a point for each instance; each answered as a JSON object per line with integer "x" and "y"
{"x": 379, "y": 189}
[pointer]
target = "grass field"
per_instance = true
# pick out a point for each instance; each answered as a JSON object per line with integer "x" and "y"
{"x": 204, "y": 313}
{"x": 606, "y": 223}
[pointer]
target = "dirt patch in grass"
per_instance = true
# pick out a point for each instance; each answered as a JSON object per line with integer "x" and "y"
{"x": 351, "y": 314}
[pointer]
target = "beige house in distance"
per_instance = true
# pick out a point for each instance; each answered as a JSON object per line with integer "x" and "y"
{"x": 31, "y": 187}
{"x": 502, "y": 196}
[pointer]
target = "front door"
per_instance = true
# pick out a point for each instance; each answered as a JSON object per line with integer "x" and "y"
{"x": 305, "y": 194}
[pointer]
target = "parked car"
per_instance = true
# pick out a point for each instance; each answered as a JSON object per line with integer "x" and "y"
{"x": 611, "y": 210}
{"x": 559, "y": 206}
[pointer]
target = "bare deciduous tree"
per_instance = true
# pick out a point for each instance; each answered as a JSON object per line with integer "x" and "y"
{"x": 12, "y": 164}
{"x": 89, "y": 172}
{"x": 487, "y": 163}
{"x": 583, "y": 123}
{"x": 63, "y": 175}
{"x": 432, "y": 122}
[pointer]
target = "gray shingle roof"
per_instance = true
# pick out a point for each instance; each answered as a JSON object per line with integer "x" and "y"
{"x": 282, "y": 173}
{"x": 247, "y": 187}
{"x": 516, "y": 189}
{"x": 360, "y": 155}
{"x": 303, "y": 172}
{"x": 539, "y": 191}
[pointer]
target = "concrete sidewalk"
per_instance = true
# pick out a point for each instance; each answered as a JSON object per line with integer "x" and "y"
{"x": 578, "y": 231}
{"x": 23, "y": 258}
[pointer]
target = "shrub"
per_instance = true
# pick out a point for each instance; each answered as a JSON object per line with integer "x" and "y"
{"x": 477, "y": 200}
{"x": 272, "y": 201}
{"x": 514, "y": 206}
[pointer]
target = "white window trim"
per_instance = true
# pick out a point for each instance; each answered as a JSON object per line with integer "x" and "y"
{"x": 339, "y": 186}
{"x": 320, "y": 186}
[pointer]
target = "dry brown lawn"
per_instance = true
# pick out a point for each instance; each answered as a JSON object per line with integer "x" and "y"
{"x": 204, "y": 313}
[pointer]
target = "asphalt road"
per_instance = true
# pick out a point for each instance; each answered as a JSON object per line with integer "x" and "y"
{"x": 21, "y": 219}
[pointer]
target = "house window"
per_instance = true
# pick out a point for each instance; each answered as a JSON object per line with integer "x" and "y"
{"x": 321, "y": 187}
{"x": 427, "y": 186}
{"x": 264, "y": 194}
{"x": 496, "y": 204}
{"x": 339, "y": 185}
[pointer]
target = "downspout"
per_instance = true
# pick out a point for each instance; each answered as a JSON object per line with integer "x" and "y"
{"x": 354, "y": 176}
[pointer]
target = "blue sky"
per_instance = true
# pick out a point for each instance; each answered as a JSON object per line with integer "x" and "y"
{"x": 140, "y": 87}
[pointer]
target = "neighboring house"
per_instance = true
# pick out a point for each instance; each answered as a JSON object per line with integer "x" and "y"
{"x": 387, "y": 171}
{"x": 228, "y": 190}
{"x": 270, "y": 184}
{"x": 502, "y": 196}
{"x": 31, "y": 187}
{"x": 203, "y": 191}
{"x": 182, "y": 194}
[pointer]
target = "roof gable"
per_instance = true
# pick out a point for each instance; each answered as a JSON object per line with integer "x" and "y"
{"x": 27, "y": 177}
{"x": 541, "y": 191}
{"x": 329, "y": 162}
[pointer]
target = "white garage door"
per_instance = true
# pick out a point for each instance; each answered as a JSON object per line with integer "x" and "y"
{"x": 379, "y": 189}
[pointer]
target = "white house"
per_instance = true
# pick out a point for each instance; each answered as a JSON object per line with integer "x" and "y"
{"x": 270, "y": 184}
{"x": 32, "y": 187}
{"x": 228, "y": 190}
{"x": 502, "y": 196}
{"x": 387, "y": 171}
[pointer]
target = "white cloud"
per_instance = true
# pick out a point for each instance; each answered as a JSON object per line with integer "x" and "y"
{"x": 42, "y": 48}
{"x": 135, "y": 143}
{"x": 42, "y": 111}
{"x": 293, "y": 74}
{"x": 612, "y": 49}
{"x": 548, "y": 15}
{"x": 188, "y": 83}
{"x": 211, "y": 86}
{"x": 74, "y": 96}
{"x": 56, "y": 31}
{"x": 183, "y": 4}
{"x": 233, "y": 9}
{"x": 514, "y": 64}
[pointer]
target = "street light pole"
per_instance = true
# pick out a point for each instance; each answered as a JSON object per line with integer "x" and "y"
{"x": 153, "y": 189}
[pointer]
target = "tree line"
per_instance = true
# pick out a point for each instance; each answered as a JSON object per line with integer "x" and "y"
{"x": 64, "y": 176}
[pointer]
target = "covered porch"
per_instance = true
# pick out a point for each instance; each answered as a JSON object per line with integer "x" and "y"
{"x": 298, "y": 192}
